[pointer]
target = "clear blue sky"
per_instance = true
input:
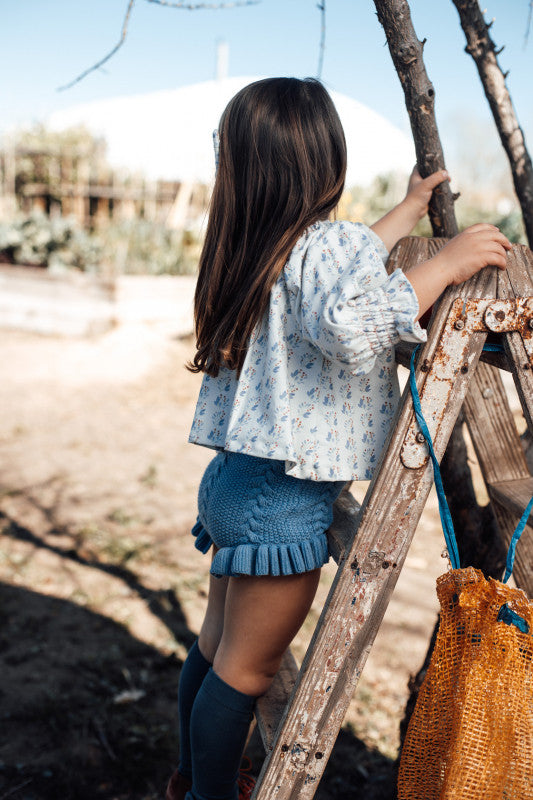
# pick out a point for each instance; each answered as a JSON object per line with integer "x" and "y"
{"x": 45, "y": 44}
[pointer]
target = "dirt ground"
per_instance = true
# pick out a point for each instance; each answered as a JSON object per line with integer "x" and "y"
{"x": 102, "y": 592}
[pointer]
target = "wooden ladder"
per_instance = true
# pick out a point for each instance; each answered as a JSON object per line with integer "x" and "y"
{"x": 300, "y": 716}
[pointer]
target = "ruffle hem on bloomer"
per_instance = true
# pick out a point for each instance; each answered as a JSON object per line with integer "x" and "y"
{"x": 264, "y": 559}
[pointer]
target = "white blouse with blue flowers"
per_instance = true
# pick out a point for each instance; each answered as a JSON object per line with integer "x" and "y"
{"x": 318, "y": 388}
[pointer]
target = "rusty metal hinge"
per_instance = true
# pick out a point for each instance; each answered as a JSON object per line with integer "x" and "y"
{"x": 452, "y": 357}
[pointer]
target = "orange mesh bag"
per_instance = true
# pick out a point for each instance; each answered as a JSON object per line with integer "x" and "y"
{"x": 470, "y": 736}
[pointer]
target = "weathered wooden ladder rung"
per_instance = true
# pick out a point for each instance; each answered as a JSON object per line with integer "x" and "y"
{"x": 299, "y": 718}
{"x": 494, "y": 359}
{"x": 271, "y": 707}
{"x": 511, "y": 498}
{"x": 514, "y": 495}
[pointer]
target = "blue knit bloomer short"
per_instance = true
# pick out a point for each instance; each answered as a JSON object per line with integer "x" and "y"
{"x": 263, "y": 521}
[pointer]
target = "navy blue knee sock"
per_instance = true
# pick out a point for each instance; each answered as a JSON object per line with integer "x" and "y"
{"x": 193, "y": 672}
{"x": 220, "y": 722}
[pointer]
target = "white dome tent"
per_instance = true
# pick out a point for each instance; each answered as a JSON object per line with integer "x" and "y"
{"x": 168, "y": 134}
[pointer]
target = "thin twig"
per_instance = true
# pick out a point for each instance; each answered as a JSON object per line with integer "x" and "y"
{"x": 124, "y": 32}
{"x": 322, "y": 8}
{"x": 208, "y": 6}
{"x": 528, "y": 26}
{"x": 108, "y": 56}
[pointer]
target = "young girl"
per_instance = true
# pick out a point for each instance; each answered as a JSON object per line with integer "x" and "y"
{"x": 296, "y": 320}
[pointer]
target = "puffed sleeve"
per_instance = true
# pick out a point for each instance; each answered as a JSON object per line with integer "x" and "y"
{"x": 350, "y": 308}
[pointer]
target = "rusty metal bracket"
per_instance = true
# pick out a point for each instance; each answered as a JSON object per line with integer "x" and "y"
{"x": 508, "y": 316}
{"x": 453, "y": 356}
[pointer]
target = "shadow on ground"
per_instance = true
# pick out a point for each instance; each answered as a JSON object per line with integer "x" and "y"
{"x": 88, "y": 711}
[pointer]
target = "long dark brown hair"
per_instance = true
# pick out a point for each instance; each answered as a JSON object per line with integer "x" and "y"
{"x": 282, "y": 166}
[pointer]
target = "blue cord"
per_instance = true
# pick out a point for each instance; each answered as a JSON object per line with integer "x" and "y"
{"x": 498, "y": 348}
{"x": 510, "y": 617}
{"x": 514, "y": 540}
{"x": 444, "y": 511}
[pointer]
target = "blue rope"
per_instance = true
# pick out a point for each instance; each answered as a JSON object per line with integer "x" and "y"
{"x": 505, "y": 614}
{"x": 510, "y": 617}
{"x": 498, "y": 348}
{"x": 514, "y": 540}
{"x": 444, "y": 511}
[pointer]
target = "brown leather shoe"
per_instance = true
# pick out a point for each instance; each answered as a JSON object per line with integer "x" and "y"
{"x": 178, "y": 786}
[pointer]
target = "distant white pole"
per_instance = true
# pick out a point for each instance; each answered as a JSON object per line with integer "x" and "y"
{"x": 222, "y": 64}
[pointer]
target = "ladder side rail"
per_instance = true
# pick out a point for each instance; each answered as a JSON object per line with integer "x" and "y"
{"x": 364, "y": 582}
{"x": 491, "y": 423}
{"x": 507, "y": 522}
{"x": 517, "y": 281}
{"x": 492, "y": 428}
{"x": 500, "y": 456}
{"x": 272, "y": 706}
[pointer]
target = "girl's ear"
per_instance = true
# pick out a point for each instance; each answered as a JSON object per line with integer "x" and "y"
{"x": 216, "y": 146}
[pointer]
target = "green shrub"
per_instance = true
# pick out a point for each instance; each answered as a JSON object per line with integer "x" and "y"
{"x": 56, "y": 243}
{"x": 132, "y": 247}
{"x": 136, "y": 247}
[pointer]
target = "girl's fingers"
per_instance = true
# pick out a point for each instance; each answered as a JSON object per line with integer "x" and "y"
{"x": 504, "y": 241}
{"x": 494, "y": 233}
{"x": 433, "y": 180}
{"x": 499, "y": 238}
{"x": 480, "y": 226}
{"x": 497, "y": 258}
{"x": 495, "y": 236}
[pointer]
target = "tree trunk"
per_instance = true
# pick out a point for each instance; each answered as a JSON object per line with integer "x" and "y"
{"x": 406, "y": 51}
{"x": 484, "y": 52}
{"x": 475, "y": 527}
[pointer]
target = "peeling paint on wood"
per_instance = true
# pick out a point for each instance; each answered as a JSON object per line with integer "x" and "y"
{"x": 455, "y": 356}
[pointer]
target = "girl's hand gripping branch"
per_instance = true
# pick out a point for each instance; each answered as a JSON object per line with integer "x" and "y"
{"x": 403, "y": 218}
{"x": 419, "y": 191}
{"x": 479, "y": 246}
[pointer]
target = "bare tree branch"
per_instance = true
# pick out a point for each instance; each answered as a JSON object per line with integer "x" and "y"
{"x": 124, "y": 32}
{"x": 483, "y": 50}
{"x": 208, "y": 6}
{"x": 528, "y": 25}
{"x": 322, "y": 8}
{"x": 407, "y": 55}
{"x": 108, "y": 56}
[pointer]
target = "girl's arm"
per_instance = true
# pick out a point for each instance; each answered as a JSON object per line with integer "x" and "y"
{"x": 479, "y": 246}
{"x": 403, "y": 217}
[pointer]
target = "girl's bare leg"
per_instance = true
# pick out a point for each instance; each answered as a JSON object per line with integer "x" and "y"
{"x": 213, "y": 624}
{"x": 195, "y": 669}
{"x": 249, "y": 623}
{"x": 261, "y": 617}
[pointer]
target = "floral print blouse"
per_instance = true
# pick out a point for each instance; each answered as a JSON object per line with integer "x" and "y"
{"x": 318, "y": 388}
